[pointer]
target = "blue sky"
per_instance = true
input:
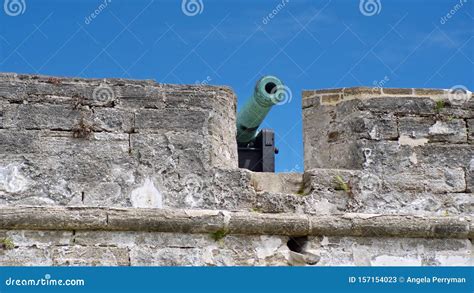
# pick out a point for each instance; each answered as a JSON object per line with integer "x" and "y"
{"x": 308, "y": 44}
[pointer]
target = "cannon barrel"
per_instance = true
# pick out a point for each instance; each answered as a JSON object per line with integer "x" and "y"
{"x": 267, "y": 93}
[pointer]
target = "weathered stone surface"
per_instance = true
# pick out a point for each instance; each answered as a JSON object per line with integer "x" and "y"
{"x": 52, "y": 218}
{"x": 90, "y": 256}
{"x": 229, "y": 251}
{"x": 171, "y": 120}
{"x": 360, "y": 91}
{"x": 290, "y": 183}
{"x": 108, "y": 142}
{"x": 451, "y": 131}
{"x": 114, "y": 248}
{"x": 166, "y": 220}
{"x": 40, "y": 239}
{"x": 15, "y": 142}
{"x": 135, "y": 238}
{"x": 26, "y": 256}
{"x": 402, "y": 150}
{"x": 398, "y": 91}
{"x": 113, "y": 120}
{"x": 330, "y": 134}
{"x": 378, "y": 127}
{"x": 415, "y": 191}
{"x": 399, "y": 105}
{"x": 391, "y": 155}
{"x": 470, "y": 128}
{"x": 213, "y": 221}
{"x": 391, "y": 251}
{"x": 429, "y": 92}
{"x": 433, "y": 180}
{"x": 331, "y": 99}
{"x": 264, "y": 223}
{"x": 311, "y": 101}
{"x": 170, "y": 256}
{"x": 380, "y": 164}
{"x": 41, "y": 116}
{"x": 59, "y": 169}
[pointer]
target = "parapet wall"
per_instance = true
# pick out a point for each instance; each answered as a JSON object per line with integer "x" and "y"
{"x": 403, "y": 150}
{"x": 110, "y": 142}
{"x": 123, "y": 172}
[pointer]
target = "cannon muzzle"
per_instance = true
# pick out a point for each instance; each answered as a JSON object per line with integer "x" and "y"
{"x": 268, "y": 92}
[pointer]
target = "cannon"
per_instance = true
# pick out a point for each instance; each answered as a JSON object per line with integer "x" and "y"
{"x": 256, "y": 149}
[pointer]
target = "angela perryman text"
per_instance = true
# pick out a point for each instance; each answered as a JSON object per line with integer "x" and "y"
{"x": 434, "y": 279}
{"x": 412, "y": 280}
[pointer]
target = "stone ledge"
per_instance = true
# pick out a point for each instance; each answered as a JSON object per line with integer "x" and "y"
{"x": 211, "y": 221}
{"x": 332, "y": 97}
{"x": 66, "y": 80}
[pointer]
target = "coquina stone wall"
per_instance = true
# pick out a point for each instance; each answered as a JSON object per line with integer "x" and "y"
{"x": 124, "y": 172}
{"x": 399, "y": 150}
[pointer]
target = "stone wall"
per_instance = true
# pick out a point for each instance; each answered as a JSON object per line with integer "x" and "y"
{"x": 123, "y": 172}
{"x": 47, "y": 248}
{"x": 112, "y": 142}
{"x": 104, "y": 236}
{"x": 400, "y": 150}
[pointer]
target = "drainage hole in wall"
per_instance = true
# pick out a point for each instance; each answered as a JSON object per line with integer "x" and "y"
{"x": 297, "y": 244}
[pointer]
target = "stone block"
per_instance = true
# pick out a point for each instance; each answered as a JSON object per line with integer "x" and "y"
{"x": 3, "y": 109}
{"x": 399, "y": 105}
{"x": 132, "y": 238}
{"x": 450, "y": 131}
{"x": 429, "y": 92}
{"x": 290, "y": 183}
{"x": 39, "y": 239}
{"x": 362, "y": 91}
{"x": 112, "y": 120}
{"x": 41, "y": 116}
{"x": 470, "y": 175}
{"x": 415, "y": 127}
{"x": 151, "y": 120}
{"x": 414, "y": 190}
{"x": 62, "y": 169}
{"x": 398, "y": 91}
{"x": 89, "y": 256}
{"x": 390, "y": 156}
{"x": 14, "y": 142}
{"x": 431, "y": 180}
{"x": 391, "y": 251}
{"x": 470, "y": 129}
{"x": 26, "y": 256}
{"x": 172, "y": 256}
{"x": 177, "y": 152}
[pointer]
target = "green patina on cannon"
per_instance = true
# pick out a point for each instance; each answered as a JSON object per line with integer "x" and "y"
{"x": 265, "y": 96}
{"x": 256, "y": 149}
